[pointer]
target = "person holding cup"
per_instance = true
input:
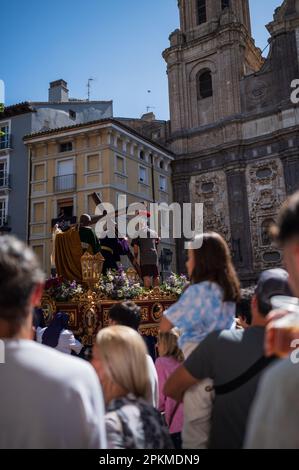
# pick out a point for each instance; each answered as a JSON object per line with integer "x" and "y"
{"x": 275, "y": 414}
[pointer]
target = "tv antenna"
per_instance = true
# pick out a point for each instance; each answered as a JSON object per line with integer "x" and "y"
{"x": 149, "y": 107}
{"x": 89, "y": 88}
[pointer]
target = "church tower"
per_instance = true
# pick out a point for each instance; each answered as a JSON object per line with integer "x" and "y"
{"x": 207, "y": 58}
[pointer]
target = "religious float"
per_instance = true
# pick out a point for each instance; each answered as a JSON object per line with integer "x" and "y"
{"x": 88, "y": 303}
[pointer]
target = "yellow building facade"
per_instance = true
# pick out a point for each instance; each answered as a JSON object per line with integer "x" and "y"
{"x": 67, "y": 165}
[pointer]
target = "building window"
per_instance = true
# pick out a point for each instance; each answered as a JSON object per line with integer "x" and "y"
{"x": 141, "y": 155}
{"x": 162, "y": 165}
{"x": 65, "y": 208}
{"x": 120, "y": 165}
{"x": 39, "y": 172}
{"x": 66, "y": 178}
{"x": 38, "y": 212}
{"x": 142, "y": 174}
{"x": 93, "y": 163}
{"x": 162, "y": 183}
{"x": 3, "y": 212}
{"x": 264, "y": 173}
{"x": 205, "y": 85}
{"x": 3, "y": 174}
{"x": 72, "y": 114}
{"x": 66, "y": 147}
{"x": 201, "y": 11}
{"x": 224, "y": 4}
{"x": 4, "y": 137}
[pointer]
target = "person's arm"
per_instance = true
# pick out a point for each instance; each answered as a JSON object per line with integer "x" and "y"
{"x": 180, "y": 312}
{"x": 135, "y": 243}
{"x": 72, "y": 342}
{"x": 161, "y": 383}
{"x": 136, "y": 251}
{"x": 114, "y": 431}
{"x": 271, "y": 332}
{"x": 197, "y": 367}
{"x": 178, "y": 383}
{"x": 165, "y": 325}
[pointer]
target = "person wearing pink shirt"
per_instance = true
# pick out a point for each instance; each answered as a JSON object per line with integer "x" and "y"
{"x": 171, "y": 357}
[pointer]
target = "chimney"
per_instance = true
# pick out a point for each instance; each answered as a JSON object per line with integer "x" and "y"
{"x": 148, "y": 117}
{"x": 58, "y": 92}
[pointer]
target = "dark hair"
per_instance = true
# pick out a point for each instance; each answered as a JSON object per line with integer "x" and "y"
{"x": 288, "y": 221}
{"x": 59, "y": 323}
{"x": 126, "y": 314}
{"x": 244, "y": 304}
{"x": 20, "y": 273}
{"x": 263, "y": 308}
{"x": 213, "y": 263}
{"x": 38, "y": 318}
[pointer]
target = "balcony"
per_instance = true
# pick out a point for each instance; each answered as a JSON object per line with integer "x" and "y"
{"x": 5, "y": 224}
{"x": 5, "y": 142}
{"x": 65, "y": 183}
{"x": 64, "y": 223}
{"x": 4, "y": 180}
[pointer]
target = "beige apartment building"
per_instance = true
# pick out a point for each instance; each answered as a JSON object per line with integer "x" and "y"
{"x": 68, "y": 164}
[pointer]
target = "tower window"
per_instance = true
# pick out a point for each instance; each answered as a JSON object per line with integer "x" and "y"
{"x": 224, "y": 4}
{"x": 201, "y": 11}
{"x": 205, "y": 85}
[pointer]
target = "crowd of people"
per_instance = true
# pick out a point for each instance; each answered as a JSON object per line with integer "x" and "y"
{"x": 218, "y": 381}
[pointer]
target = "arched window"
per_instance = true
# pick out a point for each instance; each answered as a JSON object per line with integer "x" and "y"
{"x": 141, "y": 155}
{"x": 161, "y": 165}
{"x": 224, "y": 4}
{"x": 265, "y": 231}
{"x": 201, "y": 11}
{"x": 204, "y": 85}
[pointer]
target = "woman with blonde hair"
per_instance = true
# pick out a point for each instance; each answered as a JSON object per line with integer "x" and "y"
{"x": 119, "y": 358}
{"x": 170, "y": 358}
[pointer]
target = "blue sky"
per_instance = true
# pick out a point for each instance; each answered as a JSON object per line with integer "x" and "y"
{"x": 116, "y": 42}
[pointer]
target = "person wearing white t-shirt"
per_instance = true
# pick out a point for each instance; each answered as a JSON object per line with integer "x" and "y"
{"x": 48, "y": 399}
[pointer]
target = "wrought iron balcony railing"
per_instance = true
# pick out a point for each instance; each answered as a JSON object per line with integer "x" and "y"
{"x": 65, "y": 222}
{"x": 65, "y": 183}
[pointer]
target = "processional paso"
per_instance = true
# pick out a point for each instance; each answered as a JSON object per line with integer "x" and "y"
{"x": 70, "y": 245}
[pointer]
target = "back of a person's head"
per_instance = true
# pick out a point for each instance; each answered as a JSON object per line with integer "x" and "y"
{"x": 169, "y": 346}
{"x": 213, "y": 263}
{"x": 123, "y": 355}
{"x": 271, "y": 283}
{"x": 85, "y": 220}
{"x": 126, "y": 314}
{"x": 20, "y": 273}
{"x": 244, "y": 304}
{"x": 287, "y": 226}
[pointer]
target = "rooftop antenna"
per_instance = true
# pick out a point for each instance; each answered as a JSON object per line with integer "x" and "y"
{"x": 89, "y": 88}
{"x": 149, "y": 107}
